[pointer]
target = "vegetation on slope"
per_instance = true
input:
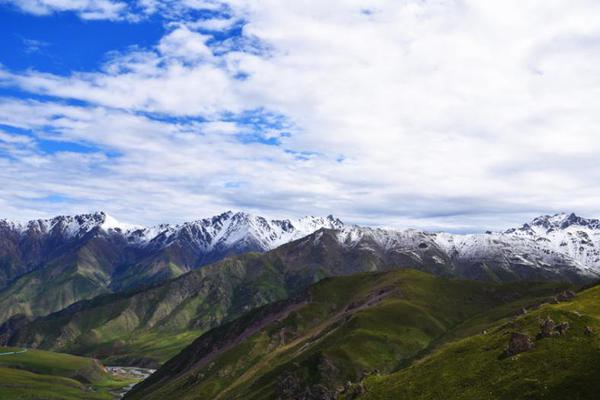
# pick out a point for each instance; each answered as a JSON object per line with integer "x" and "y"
{"x": 337, "y": 332}
{"x": 37, "y": 374}
{"x": 147, "y": 327}
{"x": 150, "y": 326}
{"x": 559, "y": 366}
{"x": 82, "y": 272}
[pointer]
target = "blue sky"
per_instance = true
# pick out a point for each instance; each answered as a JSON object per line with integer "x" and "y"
{"x": 62, "y": 42}
{"x": 445, "y": 115}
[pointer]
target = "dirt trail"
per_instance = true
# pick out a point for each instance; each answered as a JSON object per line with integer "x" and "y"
{"x": 13, "y": 352}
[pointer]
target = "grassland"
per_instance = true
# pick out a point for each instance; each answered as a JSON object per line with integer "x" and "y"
{"x": 342, "y": 330}
{"x": 563, "y": 366}
{"x": 37, "y": 374}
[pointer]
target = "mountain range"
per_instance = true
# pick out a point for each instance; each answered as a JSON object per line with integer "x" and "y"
{"x": 240, "y": 306}
{"x": 46, "y": 265}
{"x": 145, "y": 325}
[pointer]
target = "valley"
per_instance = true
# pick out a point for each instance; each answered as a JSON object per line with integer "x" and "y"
{"x": 37, "y": 374}
{"x": 330, "y": 314}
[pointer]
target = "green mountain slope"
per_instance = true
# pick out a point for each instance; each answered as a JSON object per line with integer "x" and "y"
{"x": 150, "y": 326}
{"x": 83, "y": 273}
{"x": 47, "y": 265}
{"x": 337, "y": 331}
{"x": 559, "y": 366}
{"x": 36, "y": 374}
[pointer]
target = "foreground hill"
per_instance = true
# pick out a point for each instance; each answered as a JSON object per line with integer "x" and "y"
{"x": 560, "y": 361}
{"x": 324, "y": 341}
{"x": 36, "y": 374}
{"x": 149, "y": 326}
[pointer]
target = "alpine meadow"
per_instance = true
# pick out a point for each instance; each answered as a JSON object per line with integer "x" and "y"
{"x": 311, "y": 200}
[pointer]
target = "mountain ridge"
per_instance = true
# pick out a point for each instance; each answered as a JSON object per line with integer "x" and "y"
{"x": 94, "y": 254}
{"x": 127, "y": 327}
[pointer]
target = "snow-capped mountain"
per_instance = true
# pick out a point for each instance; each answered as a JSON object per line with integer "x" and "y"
{"x": 558, "y": 245}
{"x": 229, "y": 230}
{"x": 178, "y": 248}
{"x": 225, "y": 230}
{"x": 566, "y": 233}
{"x": 94, "y": 253}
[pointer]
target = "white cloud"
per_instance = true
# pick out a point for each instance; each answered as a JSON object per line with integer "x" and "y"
{"x": 87, "y": 9}
{"x": 185, "y": 45}
{"x": 447, "y": 113}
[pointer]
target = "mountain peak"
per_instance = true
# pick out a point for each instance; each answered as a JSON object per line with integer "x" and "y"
{"x": 564, "y": 221}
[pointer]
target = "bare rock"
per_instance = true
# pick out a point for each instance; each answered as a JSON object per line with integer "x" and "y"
{"x": 519, "y": 343}
{"x": 562, "y": 328}
{"x": 547, "y": 327}
{"x": 588, "y": 331}
{"x": 565, "y": 295}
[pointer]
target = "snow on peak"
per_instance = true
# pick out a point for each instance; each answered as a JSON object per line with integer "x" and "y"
{"x": 70, "y": 225}
{"x": 267, "y": 234}
{"x": 564, "y": 221}
{"x": 228, "y": 229}
{"x": 109, "y": 222}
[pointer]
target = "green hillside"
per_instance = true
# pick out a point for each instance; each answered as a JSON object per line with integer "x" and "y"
{"x": 339, "y": 331}
{"x": 147, "y": 327}
{"x": 559, "y": 366}
{"x": 82, "y": 273}
{"x": 150, "y": 326}
{"x": 37, "y": 374}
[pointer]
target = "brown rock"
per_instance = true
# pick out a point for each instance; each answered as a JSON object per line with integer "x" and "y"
{"x": 547, "y": 328}
{"x": 588, "y": 331}
{"x": 566, "y": 295}
{"x": 519, "y": 343}
{"x": 562, "y": 328}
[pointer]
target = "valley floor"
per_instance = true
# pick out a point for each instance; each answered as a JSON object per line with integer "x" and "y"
{"x": 37, "y": 374}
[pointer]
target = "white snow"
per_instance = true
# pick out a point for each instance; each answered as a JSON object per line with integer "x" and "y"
{"x": 112, "y": 223}
{"x": 547, "y": 241}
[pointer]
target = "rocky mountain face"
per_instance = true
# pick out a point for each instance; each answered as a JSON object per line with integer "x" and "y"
{"x": 550, "y": 247}
{"x": 569, "y": 234}
{"x": 46, "y": 265}
{"x": 120, "y": 325}
{"x": 77, "y": 259}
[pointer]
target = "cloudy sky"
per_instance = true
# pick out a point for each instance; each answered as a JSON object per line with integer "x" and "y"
{"x": 459, "y": 115}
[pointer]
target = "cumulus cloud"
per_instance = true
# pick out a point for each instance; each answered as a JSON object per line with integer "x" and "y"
{"x": 451, "y": 114}
{"x": 86, "y": 9}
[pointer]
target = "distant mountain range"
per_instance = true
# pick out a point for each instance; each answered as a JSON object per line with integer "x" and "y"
{"x": 46, "y": 265}
{"x": 146, "y": 325}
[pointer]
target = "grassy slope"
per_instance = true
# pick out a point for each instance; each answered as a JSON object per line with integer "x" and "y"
{"x": 559, "y": 367}
{"x": 148, "y": 327}
{"x": 39, "y": 374}
{"x": 155, "y": 324}
{"x": 347, "y": 327}
{"x": 81, "y": 274}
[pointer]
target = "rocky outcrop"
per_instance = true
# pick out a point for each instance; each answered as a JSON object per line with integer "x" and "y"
{"x": 547, "y": 328}
{"x": 565, "y": 296}
{"x": 519, "y": 343}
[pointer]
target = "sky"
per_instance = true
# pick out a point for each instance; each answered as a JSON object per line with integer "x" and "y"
{"x": 456, "y": 115}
